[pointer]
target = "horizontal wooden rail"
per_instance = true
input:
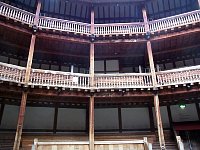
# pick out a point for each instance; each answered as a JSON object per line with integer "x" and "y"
{"x": 123, "y": 80}
{"x": 178, "y": 76}
{"x": 119, "y": 28}
{"x": 175, "y": 21}
{"x": 16, "y": 14}
{"x": 64, "y": 25}
{"x": 12, "y": 73}
{"x": 50, "y": 78}
{"x": 100, "y": 29}
{"x": 119, "y": 145}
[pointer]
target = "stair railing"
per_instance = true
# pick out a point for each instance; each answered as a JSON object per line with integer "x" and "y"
{"x": 178, "y": 140}
{"x": 180, "y": 143}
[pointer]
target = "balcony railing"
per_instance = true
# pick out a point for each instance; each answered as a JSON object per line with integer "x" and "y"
{"x": 178, "y": 76}
{"x": 64, "y": 25}
{"x": 100, "y": 29}
{"x": 49, "y": 78}
{"x": 59, "y": 79}
{"x": 175, "y": 21}
{"x": 119, "y": 28}
{"x": 122, "y": 80}
{"x": 12, "y": 73}
{"x": 16, "y": 14}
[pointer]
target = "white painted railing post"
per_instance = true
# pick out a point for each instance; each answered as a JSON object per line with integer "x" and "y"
{"x": 180, "y": 143}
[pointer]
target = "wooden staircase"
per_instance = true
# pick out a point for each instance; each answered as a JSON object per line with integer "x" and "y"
{"x": 6, "y": 141}
{"x": 170, "y": 142}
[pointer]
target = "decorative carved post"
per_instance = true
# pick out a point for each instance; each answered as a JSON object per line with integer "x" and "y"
{"x": 91, "y": 106}
{"x": 27, "y": 77}
{"x": 154, "y": 81}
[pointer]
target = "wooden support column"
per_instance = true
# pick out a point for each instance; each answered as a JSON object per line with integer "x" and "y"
{"x": 92, "y": 64}
{"x": 27, "y": 77}
{"x": 120, "y": 119}
{"x": 20, "y": 121}
{"x": 198, "y": 110}
{"x": 91, "y": 123}
{"x": 1, "y": 111}
{"x": 91, "y": 103}
{"x": 154, "y": 81}
{"x": 159, "y": 122}
{"x": 30, "y": 58}
{"x": 92, "y": 50}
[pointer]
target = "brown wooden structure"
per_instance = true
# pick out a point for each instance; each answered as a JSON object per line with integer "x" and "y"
{"x": 158, "y": 43}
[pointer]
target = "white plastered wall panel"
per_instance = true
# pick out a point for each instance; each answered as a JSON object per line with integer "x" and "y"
{"x": 106, "y": 118}
{"x": 39, "y": 118}
{"x": 187, "y": 114}
{"x": 10, "y": 117}
{"x": 135, "y": 118}
{"x": 71, "y": 119}
{"x": 164, "y": 117}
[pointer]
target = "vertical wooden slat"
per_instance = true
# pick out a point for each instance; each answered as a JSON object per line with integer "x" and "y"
{"x": 198, "y": 109}
{"x": 1, "y": 112}
{"x": 170, "y": 116}
{"x": 151, "y": 118}
{"x": 55, "y": 119}
{"x": 120, "y": 119}
{"x": 91, "y": 123}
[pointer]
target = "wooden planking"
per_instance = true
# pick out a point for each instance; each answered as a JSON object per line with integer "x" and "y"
{"x": 97, "y": 147}
{"x": 63, "y": 147}
{"x": 120, "y": 147}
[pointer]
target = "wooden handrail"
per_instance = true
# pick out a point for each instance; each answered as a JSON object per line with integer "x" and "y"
{"x": 175, "y": 21}
{"x": 180, "y": 143}
{"x": 50, "y": 78}
{"x": 178, "y": 76}
{"x": 100, "y": 29}
{"x": 16, "y": 14}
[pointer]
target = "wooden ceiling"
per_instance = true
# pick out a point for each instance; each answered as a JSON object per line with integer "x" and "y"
{"x": 107, "y": 11}
{"x": 16, "y": 44}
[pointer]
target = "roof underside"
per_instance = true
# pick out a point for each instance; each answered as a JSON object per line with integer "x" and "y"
{"x": 107, "y": 11}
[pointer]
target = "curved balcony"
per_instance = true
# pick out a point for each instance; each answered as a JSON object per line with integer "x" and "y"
{"x": 48, "y": 78}
{"x": 100, "y": 29}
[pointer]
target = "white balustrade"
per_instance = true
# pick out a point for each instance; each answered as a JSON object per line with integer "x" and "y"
{"x": 100, "y": 29}
{"x": 175, "y": 21}
{"x": 119, "y": 28}
{"x": 16, "y": 14}
{"x": 59, "y": 79}
{"x": 49, "y": 78}
{"x": 123, "y": 80}
{"x": 64, "y": 25}
{"x": 178, "y": 76}
{"x": 12, "y": 73}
